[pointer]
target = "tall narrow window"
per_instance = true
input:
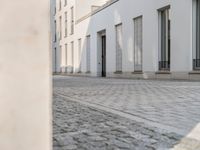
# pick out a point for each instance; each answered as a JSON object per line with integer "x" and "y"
{"x": 79, "y": 55}
{"x": 65, "y": 24}
{"x": 60, "y": 18}
{"x": 72, "y": 57}
{"x": 55, "y": 30}
{"x": 119, "y": 48}
{"x": 72, "y": 20}
{"x": 66, "y": 55}
{"x": 164, "y": 25}
{"x": 196, "y": 37}
{"x": 55, "y": 10}
{"x": 138, "y": 44}
{"x": 60, "y": 4}
{"x": 55, "y": 59}
{"x": 65, "y": 2}
{"x": 61, "y": 55}
{"x": 88, "y": 54}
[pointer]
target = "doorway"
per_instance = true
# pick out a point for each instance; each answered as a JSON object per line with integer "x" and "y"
{"x": 103, "y": 39}
{"x": 164, "y": 25}
{"x": 101, "y": 54}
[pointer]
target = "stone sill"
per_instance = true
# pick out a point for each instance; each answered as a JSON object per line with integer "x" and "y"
{"x": 196, "y": 72}
{"x": 118, "y": 72}
{"x": 163, "y": 72}
{"x": 137, "y": 72}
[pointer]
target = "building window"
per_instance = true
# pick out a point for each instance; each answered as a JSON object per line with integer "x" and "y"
{"x": 79, "y": 55}
{"x": 65, "y": 2}
{"x": 55, "y": 60}
{"x": 88, "y": 53}
{"x": 60, "y": 19}
{"x": 66, "y": 55}
{"x": 65, "y": 24}
{"x": 118, "y": 29}
{"x": 72, "y": 20}
{"x": 196, "y": 35}
{"x": 55, "y": 10}
{"x": 72, "y": 57}
{"x": 61, "y": 55}
{"x": 164, "y": 32}
{"x": 55, "y": 30}
{"x": 60, "y": 4}
{"x": 138, "y": 31}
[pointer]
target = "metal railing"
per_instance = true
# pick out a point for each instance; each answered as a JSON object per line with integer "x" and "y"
{"x": 196, "y": 64}
{"x": 164, "y": 65}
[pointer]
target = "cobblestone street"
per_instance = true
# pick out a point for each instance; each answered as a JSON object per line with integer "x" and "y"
{"x": 115, "y": 114}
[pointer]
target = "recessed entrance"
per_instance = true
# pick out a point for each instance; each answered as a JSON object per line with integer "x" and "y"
{"x": 164, "y": 25}
{"x": 103, "y": 74}
{"x": 101, "y": 58}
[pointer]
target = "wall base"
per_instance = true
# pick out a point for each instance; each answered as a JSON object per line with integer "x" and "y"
{"x": 143, "y": 75}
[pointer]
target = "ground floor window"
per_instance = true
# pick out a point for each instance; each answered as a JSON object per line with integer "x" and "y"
{"x": 88, "y": 54}
{"x": 72, "y": 56}
{"x": 55, "y": 59}
{"x": 164, "y": 32}
{"x": 61, "y": 56}
{"x": 66, "y": 55}
{"x": 119, "y": 48}
{"x": 196, "y": 36}
{"x": 138, "y": 44}
{"x": 79, "y": 55}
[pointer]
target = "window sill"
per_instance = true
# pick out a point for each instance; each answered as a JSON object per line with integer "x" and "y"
{"x": 197, "y": 72}
{"x": 118, "y": 72}
{"x": 163, "y": 72}
{"x": 137, "y": 72}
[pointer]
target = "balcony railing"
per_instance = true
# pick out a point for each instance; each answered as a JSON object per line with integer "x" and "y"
{"x": 196, "y": 64}
{"x": 164, "y": 65}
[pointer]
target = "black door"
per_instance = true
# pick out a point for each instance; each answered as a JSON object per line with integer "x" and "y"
{"x": 103, "y": 56}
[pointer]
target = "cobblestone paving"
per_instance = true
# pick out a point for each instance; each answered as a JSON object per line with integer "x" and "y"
{"x": 171, "y": 103}
{"x": 78, "y": 127}
{"x": 81, "y": 127}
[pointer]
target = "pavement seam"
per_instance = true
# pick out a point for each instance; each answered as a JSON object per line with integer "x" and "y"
{"x": 127, "y": 115}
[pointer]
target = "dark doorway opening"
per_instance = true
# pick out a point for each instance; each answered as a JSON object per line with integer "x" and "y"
{"x": 103, "y": 39}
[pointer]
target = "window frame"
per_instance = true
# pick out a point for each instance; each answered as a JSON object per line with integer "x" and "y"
{"x": 118, "y": 69}
{"x": 66, "y": 24}
{"x": 65, "y": 2}
{"x": 72, "y": 20}
{"x": 196, "y": 35}
{"x": 135, "y": 64}
{"x": 164, "y": 65}
{"x": 88, "y": 55}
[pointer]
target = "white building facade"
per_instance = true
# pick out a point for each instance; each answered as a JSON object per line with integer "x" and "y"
{"x": 151, "y": 39}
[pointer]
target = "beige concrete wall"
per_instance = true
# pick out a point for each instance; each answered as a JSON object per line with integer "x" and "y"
{"x": 25, "y": 82}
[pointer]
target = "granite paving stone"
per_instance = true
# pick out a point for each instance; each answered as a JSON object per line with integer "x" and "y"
{"x": 79, "y": 126}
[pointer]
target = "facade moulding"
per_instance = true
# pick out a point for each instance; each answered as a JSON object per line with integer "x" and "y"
{"x": 109, "y": 3}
